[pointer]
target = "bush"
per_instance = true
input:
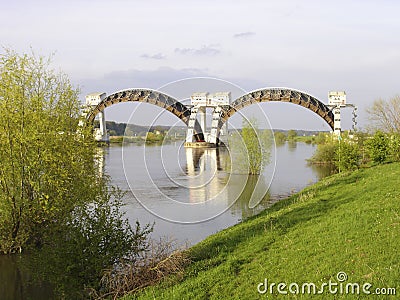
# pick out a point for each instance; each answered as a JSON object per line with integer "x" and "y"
{"x": 378, "y": 147}
{"x": 95, "y": 237}
{"x": 321, "y": 138}
{"x": 280, "y": 138}
{"x": 394, "y": 147}
{"x": 347, "y": 156}
{"x": 292, "y": 134}
{"x": 325, "y": 153}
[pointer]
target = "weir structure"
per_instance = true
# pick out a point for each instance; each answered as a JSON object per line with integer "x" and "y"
{"x": 218, "y": 102}
{"x": 194, "y": 115}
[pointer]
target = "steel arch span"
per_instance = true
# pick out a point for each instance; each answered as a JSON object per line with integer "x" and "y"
{"x": 282, "y": 95}
{"x": 147, "y": 96}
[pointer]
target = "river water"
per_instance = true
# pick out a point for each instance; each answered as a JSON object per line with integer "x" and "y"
{"x": 188, "y": 194}
{"x": 191, "y": 194}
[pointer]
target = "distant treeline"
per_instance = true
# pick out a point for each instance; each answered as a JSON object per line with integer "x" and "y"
{"x": 300, "y": 132}
{"x": 121, "y": 129}
{"x": 118, "y": 129}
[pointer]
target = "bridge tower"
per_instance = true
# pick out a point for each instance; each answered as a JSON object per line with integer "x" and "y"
{"x": 337, "y": 101}
{"x": 200, "y": 101}
{"x": 92, "y": 100}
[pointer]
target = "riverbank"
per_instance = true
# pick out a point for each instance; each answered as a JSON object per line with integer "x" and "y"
{"x": 345, "y": 223}
{"x": 141, "y": 139}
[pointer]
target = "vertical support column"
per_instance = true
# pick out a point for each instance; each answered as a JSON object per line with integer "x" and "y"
{"x": 102, "y": 121}
{"x": 203, "y": 123}
{"x": 92, "y": 100}
{"x": 192, "y": 122}
{"x": 101, "y": 134}
{"x": 223, "y": 134}
{"x": 336, "y": 121}
{"x": 215, "y": 131}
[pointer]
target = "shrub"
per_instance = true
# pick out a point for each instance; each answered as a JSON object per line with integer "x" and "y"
{"x": 325, "y": 153}
{"x": 394, "y": 147}
{"x": 280, "y": 138}
{"x": 378, "y": 147}
{"x": 95, "y": 237}
{"x": 347, "y": 156}
{"x": 321, "y": 138}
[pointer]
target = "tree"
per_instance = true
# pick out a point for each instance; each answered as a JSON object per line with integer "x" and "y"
{"x": 394, "y": 147}
{"x": 385, "y": 115}
{"x": 53, "y": 200}
{"x": 251, "y": 149}
{"x": 292, "y": 134}
{"x": 325, "y": 153}
{"x": 347, "y": 156}
{"x": 378, "y": 147}
{"x": 321, "y": 138}
{"x": 45, "y": 167}
{"x": 280, "y": 138}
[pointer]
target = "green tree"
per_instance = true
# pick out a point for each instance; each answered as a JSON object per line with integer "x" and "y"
{"x": 325, "y": 153}
{"x": 321, "y": 138}
{"x": 280, "y": 138}
{"x": 378, "y": 147}
{"x": 347, "y": 156}
{"x": 251, "y": 149}
{"x": 54, "y": 202}
{"x": 292, "y": 134}
{"x": 152, "y": 137}
{"x": 45, "y": 167}
{"x": 394, "y": 147}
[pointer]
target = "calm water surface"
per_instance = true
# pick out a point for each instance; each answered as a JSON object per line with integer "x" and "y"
{"x": 190, "y": 193}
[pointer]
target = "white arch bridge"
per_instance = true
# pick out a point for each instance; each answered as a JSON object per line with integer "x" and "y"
{"x": 330, "y": 113}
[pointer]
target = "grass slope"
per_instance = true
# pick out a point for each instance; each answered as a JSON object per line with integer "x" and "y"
{"x": 345, "y": 223}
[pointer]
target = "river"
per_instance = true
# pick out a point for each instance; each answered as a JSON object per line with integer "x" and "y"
{"x": 189, "y": 201}
{"x": 187, "y": 194}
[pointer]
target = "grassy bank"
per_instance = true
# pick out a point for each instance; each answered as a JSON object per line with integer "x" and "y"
{"x": 345, "y": 223}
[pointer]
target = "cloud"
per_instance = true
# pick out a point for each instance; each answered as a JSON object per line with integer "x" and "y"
{"x": 154, "y": 56}
{"x": 244, "y": 34}
{"x": 209, "y": 50}
{"x": 134, "y": 78}
{"x": 155, "y": 78}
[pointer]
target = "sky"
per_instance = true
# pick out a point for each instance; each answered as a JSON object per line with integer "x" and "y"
{"x": 312, "y": 46}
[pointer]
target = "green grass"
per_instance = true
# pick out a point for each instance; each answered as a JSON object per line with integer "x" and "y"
{"x": 345, "y": 223}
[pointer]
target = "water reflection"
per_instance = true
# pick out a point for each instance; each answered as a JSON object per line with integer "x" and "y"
{"x": 236, "y": 189}
{"x": 322, "y": 170}
{"x": 241, "y": 206}
{"x": 208, "y": 174}
{"x": 292, "y": 145}
{"x": 195, "y": 161}
{"x": 16, "y": 282}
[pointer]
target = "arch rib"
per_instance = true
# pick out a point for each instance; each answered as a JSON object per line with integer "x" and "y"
{"x": 283, "y": 95}
{"x": 147, "y": 96}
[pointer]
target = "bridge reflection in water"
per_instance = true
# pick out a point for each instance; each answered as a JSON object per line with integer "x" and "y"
{"x": 183, "y": 185}
{"x": 208, "y": 173}
{"x": 211, "y": 176}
